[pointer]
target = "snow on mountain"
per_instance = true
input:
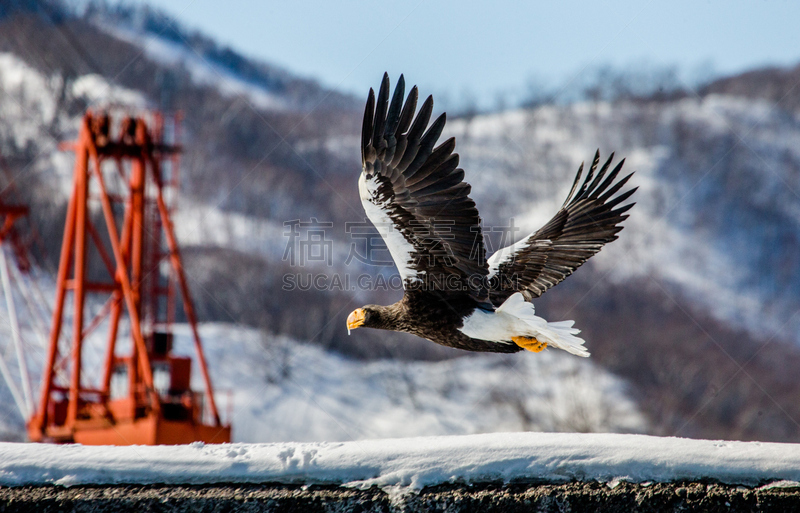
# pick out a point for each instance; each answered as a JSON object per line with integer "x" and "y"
{"x": 201, "y": 224}
{"x": 29, "y": 98}
{"x": 284, "y": 390}
{"x": 29, "y": 103}
{"x": 406, "y": 465}
{"x": 28, "y": 108}
{"x": 202, "y": 71}
{"x": 688, "y": 227}
{"x": 716, "y": 210}
{"x": 521, "y": 165}
{"x": 102, "y": 94}
{"x": 30, "y": 113}
{"x": 275, "y": 389}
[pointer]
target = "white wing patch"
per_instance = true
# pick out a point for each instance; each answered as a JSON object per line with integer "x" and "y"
{"x": 508, "y": 253}
{"x": 378, "y": 212}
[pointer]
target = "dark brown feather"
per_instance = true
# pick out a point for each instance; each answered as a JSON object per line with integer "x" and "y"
{"x": 423, "y": 190}
{"x": 585, "y": 223}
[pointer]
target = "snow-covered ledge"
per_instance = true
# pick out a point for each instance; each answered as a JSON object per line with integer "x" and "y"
{"x": 409, "y": 463}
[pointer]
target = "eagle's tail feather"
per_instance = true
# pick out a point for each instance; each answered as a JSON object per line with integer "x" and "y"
{"x": 559, "y": 334}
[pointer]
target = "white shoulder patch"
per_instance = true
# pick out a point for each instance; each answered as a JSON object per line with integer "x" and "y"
{"x": 509, "y": 253}
{"x": 504, "y": 255}
{"x": 378, "y": 212}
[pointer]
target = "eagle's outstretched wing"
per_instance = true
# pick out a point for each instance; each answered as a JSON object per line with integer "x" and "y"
{"x": 416, "y": 197}
{"x": 587, "y": 220}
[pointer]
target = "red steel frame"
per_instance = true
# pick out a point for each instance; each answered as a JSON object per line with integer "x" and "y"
{"x": 75, "y": 412}
{"x": 12, "y": 213}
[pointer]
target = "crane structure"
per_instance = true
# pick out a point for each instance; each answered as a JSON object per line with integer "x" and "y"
{"x": 123, "y": 254}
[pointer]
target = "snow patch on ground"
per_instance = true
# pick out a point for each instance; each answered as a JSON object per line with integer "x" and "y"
{"x": 410, "y": 464}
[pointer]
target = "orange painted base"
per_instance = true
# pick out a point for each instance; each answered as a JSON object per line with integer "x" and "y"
{"x": 152, "y": 431}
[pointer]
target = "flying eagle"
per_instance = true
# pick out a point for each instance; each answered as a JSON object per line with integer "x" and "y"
{"x": 415, "y": 195}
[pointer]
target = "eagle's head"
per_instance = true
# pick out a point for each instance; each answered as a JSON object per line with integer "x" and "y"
{"x": 369, "y": 316}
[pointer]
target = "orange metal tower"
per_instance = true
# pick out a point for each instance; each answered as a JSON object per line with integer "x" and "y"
{"x": 144, "y": 396}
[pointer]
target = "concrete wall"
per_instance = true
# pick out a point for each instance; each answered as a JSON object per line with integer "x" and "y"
{"x": 543, "y": 498}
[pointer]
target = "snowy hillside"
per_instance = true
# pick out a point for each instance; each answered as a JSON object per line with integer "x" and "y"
{"x": 30, "y": 114}
{"x": 167, "y": 42}
{"x": 275, "y": 389}
{"x": 714, "y": 234}
{"x": 283, "y": 391}
{"x": 707, "y": 223}
{"x": 202, "y": 71}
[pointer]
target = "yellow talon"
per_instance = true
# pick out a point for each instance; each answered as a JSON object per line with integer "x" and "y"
{"x": 530, "y": 343}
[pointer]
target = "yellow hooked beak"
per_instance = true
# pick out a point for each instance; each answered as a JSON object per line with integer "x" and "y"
{"x": 355, "y": 319}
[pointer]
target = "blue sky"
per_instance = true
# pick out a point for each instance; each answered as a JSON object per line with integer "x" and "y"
{"x": 471, "y": 49}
